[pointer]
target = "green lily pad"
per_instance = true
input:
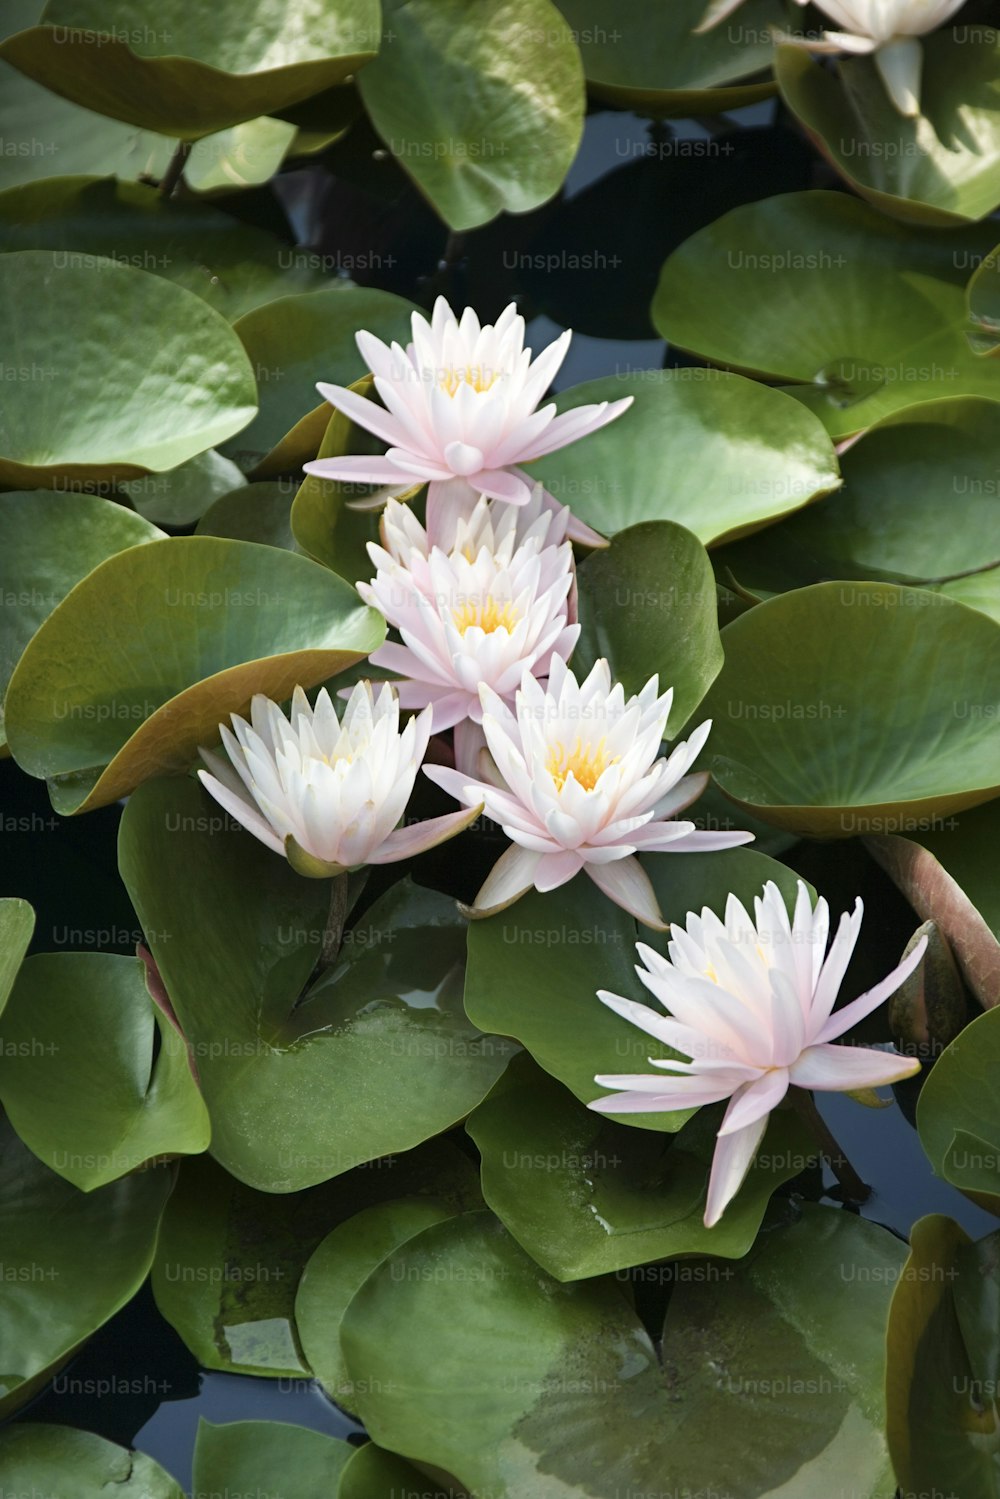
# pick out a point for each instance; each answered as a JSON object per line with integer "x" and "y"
{"x": 957, "y": 1112}
{"x": 866, "y": 315}
{"x": 50, "y": 542}
{"x": 376, "y": 1057}
{"x": 373, "y": 1473}
{"x": 983, "y": 302}
{"x": 185, "y": 73}
{"x": 944, "y": 1363}
{"x": 295, "y": 341}
{"x": 229, "y": 1259}
{"x": 78, "y": 1077}
{"x": 17, "y": 924}
{"x": 481, "y": 1365}
{"x": 339, "y": 1267}
{"x": 183, "y": 494}
{"x": 832, "y": 716}
{"x": 656, "y": 64}
{"x": 153, "y": 649}
{"x": 38, "y": 1459}
{"x": 300, "y": 444}
{"x": 253, "y": 512}
{"x": 711, "y": 451}
{"x": 53, "y": 1237}
{"x": 948, "y": 874}
{"x": 481, "y": 127}
{"x": 941, "y": 167}
{"x": 647, "y": 603}
{"x": 233, "y": 267}
{"x": 535, "y": 969}
{"x": 158, "y": 402}
{"x": 921, "y": 502}
{"x": 259, "y": 1457}
{"x": 587, "y": 1197}
{"x": 323, "y": 523}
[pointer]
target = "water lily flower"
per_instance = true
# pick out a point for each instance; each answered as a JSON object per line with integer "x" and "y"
{"x": 577, "y": 782}
{"x": 887, "y": 29}
{"x": 460, "y": 415}
{"x": 485, "y": 612}
{"x": 327, "y": 793}
{"x": 751, "y": 1004}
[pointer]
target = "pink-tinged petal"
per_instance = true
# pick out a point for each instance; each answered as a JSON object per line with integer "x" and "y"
{"x": 556, "y": 869}
{"x": 462, "y": 787}
{"x": 732, "y": 1160}
{"x": 841, "y": 1069}
{"x": 511, "y": 877}
{"x": 501, "y": 484}
{"x": 364, "y": 413}
{"x": 405, "y": 842}
{"x": 831, "y": 975}
{"x": 842, "y": 1020}
{"x": 572, "y": 425}
{"x": 463, "y": 459}
{"x": 584, "y": 535}
{"x": 448, "y": 502}
{"x": 682, "y": 795}
{"x": 642, "y": 1094}
{"x": 628, "y": 885}
{"x": 756, "y": 1101}
{"x": 357, "y": 470}
{"x": 246, "y": 815}
{"x": 698, "y": 842}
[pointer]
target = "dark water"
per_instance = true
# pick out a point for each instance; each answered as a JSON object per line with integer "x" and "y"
{"x": 630, "y": 199}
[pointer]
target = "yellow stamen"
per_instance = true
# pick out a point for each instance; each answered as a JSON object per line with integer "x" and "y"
{"x": 586, "y": 763}
{"x": 472, "y": 374}
{"x": 486, "y": 614}
{"x": 710, "y": 973}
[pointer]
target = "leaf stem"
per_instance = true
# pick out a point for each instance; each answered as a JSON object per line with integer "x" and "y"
{"x": 175, "y": 168}
{"x": 853, "y": 1187}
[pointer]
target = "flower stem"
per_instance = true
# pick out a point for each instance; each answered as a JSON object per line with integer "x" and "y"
{"x": 333, "y": 932}
{"x": 853, "y": 1187}
{"x": 175, "y": 168}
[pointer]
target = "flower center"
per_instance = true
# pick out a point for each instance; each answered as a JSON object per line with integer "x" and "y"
{"x": 470, "y": 374}
{"x": 487, "y": 614}
{"x": 586, "y": 763}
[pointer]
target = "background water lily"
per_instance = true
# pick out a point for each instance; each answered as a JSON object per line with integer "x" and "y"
{"x": 577, "y": 782}
{"x": 750, "y": 1002}
{"x": 327, "y": 792}
{"x": 461, "y": 414}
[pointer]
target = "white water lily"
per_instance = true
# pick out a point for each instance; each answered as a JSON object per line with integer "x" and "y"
{"x": 577, "y": 782}
{"x": 751, "y": 1003}
{"x": 485, "y": 612}
{"x": 328, "y": 793}
{"x": 887, "y": 29}
{"x": 459, "y": 413}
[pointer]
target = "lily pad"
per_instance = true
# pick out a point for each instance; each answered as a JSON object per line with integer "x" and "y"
{"x": 295, "y": 341}
{"x": 183, "y": 494}
{"x": 50, "y": 542}
{"x": 377, "y": 1054}
{"x": 38, "y": 1459}
{"x": 942, "y": 166}
{"x": 481, "y": 1365}
{"x": 983, "y": 299}
{"x": 233, "y": 267}
{"x": 155, "y": 405}
{"x": 186, "y": 74}
{"x": 587, "y": 1197}
{"x": 656, "y": 64}
{"x": 535, "y": 969}
{"x": 154, "y": 648}
{"x": 648, "y": 604}
{"x": 253, "y": 512}
{"x": 53, "y": 1237}
{"x": 948, "y": 874}
{"x": 832, "y": 717}
{"x": 711, "y": 451}
{"x": 158, "y": 401}
{"x": 339, "y": 1267}
{"x": 78, "y": 1077}
{"x": 481, "y": 102}
{"x": 865, "y": 315}
{"x": 259, "y": 1457}
{"x": 957, "y": 1112}
{"x": 229, "y": 1259}
{"x": 373, "y": 1473}
{"x": 944, "y": 1363}
{"x": 920, "y": 503}
{"x": 17, "y": 924}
